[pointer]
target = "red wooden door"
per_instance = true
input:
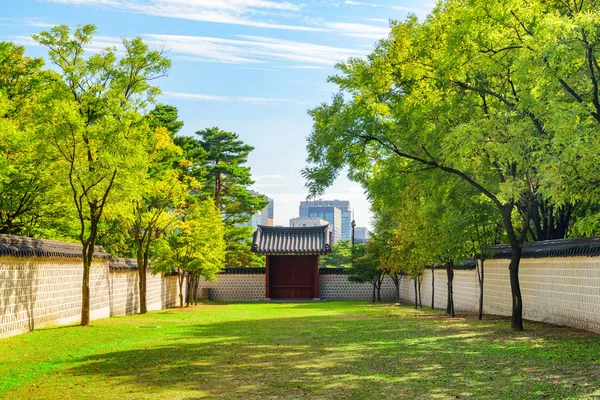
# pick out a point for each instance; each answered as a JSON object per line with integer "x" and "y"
{"x": 291, "y": 277}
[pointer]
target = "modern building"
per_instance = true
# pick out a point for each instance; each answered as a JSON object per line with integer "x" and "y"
{"x": 361, "y": 235}
{"x": 306, "y": 222}
{"x": 331, "y": 212}
{"x": 264, "y": 217}
{"x": 337, "y": 212}
{"x": 270, "y": 212}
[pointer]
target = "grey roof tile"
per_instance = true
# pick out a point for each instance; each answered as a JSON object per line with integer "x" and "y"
{"x": 20, "y": 246}
{"x": 280, "y": 240}
{"x": 123, "y": 264}
{"x": 576, "y": 247}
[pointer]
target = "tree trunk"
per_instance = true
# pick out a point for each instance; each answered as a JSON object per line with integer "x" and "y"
{"x": 88, "y": 247}
{"x": 420, "y": 302}
{"x": 432, "y": 288}
{"x": 517, "y": 306}
{"x": 397, "y": 284}
{"x": 515, "y": 260}
{"x": 143, "y": 305}
{"x": 142, "y": 264}
{"x": 189, "y": 290}
{"x": 416, "y": 295}
{"x": 85, "y": 288}
{"x": 196, "y": 283}
{"x": 480, "y": 276}
{"x": 374, "y": 286}
{"x": 180, "y": 278}
{"x": 379, "y": 281}
{"x": 450, "y": 302}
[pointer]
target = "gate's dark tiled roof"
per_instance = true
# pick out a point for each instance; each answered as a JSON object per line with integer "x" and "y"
{"x": 19, "y": 246}
{"x": 279, "y": 240}
{"x": 579, "y": 247}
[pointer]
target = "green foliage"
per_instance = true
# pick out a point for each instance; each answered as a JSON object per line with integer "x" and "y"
{"x": 365, "y": 266}
{"x": 341, "y": 255}
{"x": 218, "y": 158}
{"x": 94, "y": 126}
{"x": 502, "y": 96}
{"x": 165, "y": 116}
{"x": 31, "y": 202}
{"x": 196, "y": 246}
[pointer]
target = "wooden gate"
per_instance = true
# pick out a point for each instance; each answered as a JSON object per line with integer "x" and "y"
{"x": 293, "y": 277}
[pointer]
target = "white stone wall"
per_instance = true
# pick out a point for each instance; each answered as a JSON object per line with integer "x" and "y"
{"x": 466, "y": 289}
{"x": 251, "y": 287}
{"x": 338, "y": 287}
{"x": 161, "y": 292}
{"x": 35, "y": 292}
{"x": 39, "y": 291}
{"x": 235, "y": 287}
{"x": 562, "y": 291}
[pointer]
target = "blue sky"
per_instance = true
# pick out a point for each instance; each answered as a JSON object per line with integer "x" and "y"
{"x": 249, "y": 66}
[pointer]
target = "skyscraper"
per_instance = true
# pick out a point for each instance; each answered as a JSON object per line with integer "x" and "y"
{"x": 263, "y": 217}
{"x": 337, "y": 212}
{"x": 361, "y": 235}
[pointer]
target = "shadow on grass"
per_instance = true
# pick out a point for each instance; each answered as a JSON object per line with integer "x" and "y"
{"x": 353, "y": 356}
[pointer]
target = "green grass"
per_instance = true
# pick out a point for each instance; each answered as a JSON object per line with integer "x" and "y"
{"x": 330, "y": 350}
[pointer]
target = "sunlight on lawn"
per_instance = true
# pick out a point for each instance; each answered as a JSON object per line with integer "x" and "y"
{"x": 333, "y": 350}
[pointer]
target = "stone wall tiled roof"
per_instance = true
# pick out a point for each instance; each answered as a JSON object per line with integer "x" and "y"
{"x": 578, "y": 247}
{"x": 261, "y": 271}
{"x": 463, "y": 265}
{"x": 280, "y": 240}
{"x": 19, "y": 246}
{"x": 242, "y": 271}
{"x": 123, "y": 264}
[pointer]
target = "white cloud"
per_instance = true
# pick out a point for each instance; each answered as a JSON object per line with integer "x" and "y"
{"x": 37, "y": 22}
{"x": 250, "y": 49}
{"x": 304, "y": 67}
{"x": 361, "y": 3}
{"x": 236, "y": 12}
{"x": 420, "y": 12}
{"x": 359, "y": 30}
{"x": 380, "y": 20}
{"x": 232, "y": 99}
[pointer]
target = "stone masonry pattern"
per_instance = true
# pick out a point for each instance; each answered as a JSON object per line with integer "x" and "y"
{"x": 37, "y": 291}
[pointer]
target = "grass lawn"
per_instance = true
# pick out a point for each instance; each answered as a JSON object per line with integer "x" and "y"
{"x": 329, "y": 350}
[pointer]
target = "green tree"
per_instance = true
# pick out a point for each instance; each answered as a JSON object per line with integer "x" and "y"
{"x": 387, "y": 261}
{"x": 29, "y": 197}
{"x": 219, "y": 158}
{"x": 340, "y": 256}
{"x": 97, "y": 130}
{"x": 411, "y": 100}
{"x": 163, "y": 190}
{"x": 365, "y": 269}
{"x": 195, "y": 249}
{"x": 166, "y": 116}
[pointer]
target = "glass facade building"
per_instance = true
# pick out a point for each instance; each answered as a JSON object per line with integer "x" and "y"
{"x": 264, "y": 217}
{"x": 337, "y": 212}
